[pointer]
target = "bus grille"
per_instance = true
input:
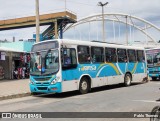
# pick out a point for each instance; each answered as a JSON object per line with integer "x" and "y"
{"x": 42, "y": 88}
{"x": 154, "y": 72}
{"x": 42, "y": 83}
{"x": 42, "y": 79}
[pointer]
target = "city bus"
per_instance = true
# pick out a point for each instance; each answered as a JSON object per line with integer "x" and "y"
{"x": 66, "y": 65}
{"x": 153, "y": 63}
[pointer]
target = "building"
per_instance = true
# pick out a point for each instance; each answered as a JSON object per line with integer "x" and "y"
{"x": 13, "y": 55}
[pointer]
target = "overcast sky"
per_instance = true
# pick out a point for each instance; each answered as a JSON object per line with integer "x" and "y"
{"x": 146, "y": 9}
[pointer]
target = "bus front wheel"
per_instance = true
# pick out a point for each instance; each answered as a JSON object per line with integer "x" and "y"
{"x": 154, "y": 78}
{"x": 84, "y": 85}
{"x": 127, "y": 80}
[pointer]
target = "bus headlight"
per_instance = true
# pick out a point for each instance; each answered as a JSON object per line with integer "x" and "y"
{"x": 55, "y": 80}
{"x": 31, "y": 82}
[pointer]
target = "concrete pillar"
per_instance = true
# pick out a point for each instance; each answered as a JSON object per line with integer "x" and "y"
{"x": 56, "y": 29}
{"x": 10, "y": 65}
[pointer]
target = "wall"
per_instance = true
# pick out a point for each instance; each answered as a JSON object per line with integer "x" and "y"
{"x": 5, "y": 65}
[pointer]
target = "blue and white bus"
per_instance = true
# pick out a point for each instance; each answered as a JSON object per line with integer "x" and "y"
{"x": 66, "y": 65}
{"x": 153, "y": 63}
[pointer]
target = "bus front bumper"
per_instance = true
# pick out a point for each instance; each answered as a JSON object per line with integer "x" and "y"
{"x": 154, "y": 75}
{"x": 55, "y": 88}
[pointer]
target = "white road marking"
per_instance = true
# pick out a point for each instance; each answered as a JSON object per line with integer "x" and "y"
{"x": 155, "y": 83}
{"x": 147, "y": 101}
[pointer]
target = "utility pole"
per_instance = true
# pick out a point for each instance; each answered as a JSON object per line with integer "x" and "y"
{"x": 103, "y": 28}
{"x": 126, "y": 30}
{"x": 37, "y": 21}
{"x": 65, "y": 5}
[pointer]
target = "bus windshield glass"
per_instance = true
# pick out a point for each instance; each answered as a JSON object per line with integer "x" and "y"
{"x": 44, "y": 62}
{"x": 156, "y": 59}
{"x": 153, "y": 58}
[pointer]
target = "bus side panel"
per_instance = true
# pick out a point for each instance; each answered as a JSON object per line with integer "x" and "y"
{"x": 138, "y": 77}
{"x": 101, "y": 74}
{"x": 115, "y": 79}
{"x": 140, "y": 72}
{"x": 70, "y": 85}
{"x": 141, "y": 68}
{"x": 70, "y": 80}
{"x": 99, "y": 81}
{"x": 120, "y": 69}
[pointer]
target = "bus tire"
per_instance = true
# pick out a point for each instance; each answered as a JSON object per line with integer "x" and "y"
{"x": 34, "y": 93}
{"x": 127, "y": 80}
{"x": 154, "y": 78}
{"x": 155, "y": 111}
{"x": 84, "y": 86}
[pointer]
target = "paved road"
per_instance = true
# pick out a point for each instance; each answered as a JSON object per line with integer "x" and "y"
{"x": 115, "y": 98}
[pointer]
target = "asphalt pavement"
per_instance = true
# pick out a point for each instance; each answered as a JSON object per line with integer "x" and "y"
{"x": 17, "y": 88}
{"x": 115, "y": 98}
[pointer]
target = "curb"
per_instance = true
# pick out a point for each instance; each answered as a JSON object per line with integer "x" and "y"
{"x": 15, "y": 96}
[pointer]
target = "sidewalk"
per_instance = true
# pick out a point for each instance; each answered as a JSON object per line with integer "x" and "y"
{"x": 14, "y": 88}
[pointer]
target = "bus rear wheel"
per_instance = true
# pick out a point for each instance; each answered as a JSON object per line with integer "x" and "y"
{"x": 84, "y": 86}
{"x": 127, "y": 80}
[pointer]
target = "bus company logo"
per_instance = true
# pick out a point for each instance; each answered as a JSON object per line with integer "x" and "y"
{"x": 88, "y": 68}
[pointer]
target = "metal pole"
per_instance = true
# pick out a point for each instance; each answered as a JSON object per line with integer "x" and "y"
{"x": 103, "y": 24}
{"x": 37, "y": 21}
{"x": 65, "y": 5}
{"x": 126, "y": 30}
{"x": 114, "y": 33}
{"x": 97, "y": 28}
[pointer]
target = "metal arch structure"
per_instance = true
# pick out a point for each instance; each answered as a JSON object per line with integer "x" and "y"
{"x": 136, "y": 22}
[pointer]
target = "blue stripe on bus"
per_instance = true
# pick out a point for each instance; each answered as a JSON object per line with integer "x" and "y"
{"x": 101, "y": 70}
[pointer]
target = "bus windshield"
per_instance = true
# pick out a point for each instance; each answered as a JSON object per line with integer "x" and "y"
{"x": 150, "y": 59}
{"x": 153, "y": 59}
{"x": 44, "y": 62}
{"x": 156, "y": 59}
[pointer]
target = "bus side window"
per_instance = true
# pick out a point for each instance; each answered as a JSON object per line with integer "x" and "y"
{"x": 111, "y": 55}
{"x": 122, "y": 56}
{"x": 140, "y": 56}
{"x": 73, "y": 57}
{"x": 69, "y": 59}
{"x": 84, "y": 54}
{"x": 97, "y": 54}
{"x": 131, "y": 55}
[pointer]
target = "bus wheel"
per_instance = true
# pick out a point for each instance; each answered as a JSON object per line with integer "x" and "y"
{"x": 34, "y": 93}
{"x": 84, "y": 85}
{"x": 127, "y": 80}
{"x": 154, "y": 78}
{"x": 155, "y": 112}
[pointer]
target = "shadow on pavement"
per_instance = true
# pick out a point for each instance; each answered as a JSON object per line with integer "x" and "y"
{"x": 75, "y": 93}
{"x": 157, "y": 80}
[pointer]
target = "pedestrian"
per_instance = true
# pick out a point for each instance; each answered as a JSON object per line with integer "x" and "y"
{"x": 15, "y": 73}
{"x": 23, "y": 71}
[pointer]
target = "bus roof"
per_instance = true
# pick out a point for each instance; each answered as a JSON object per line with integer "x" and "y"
{"x": 92, "y": 43}
{"x": 153, "y": 49}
